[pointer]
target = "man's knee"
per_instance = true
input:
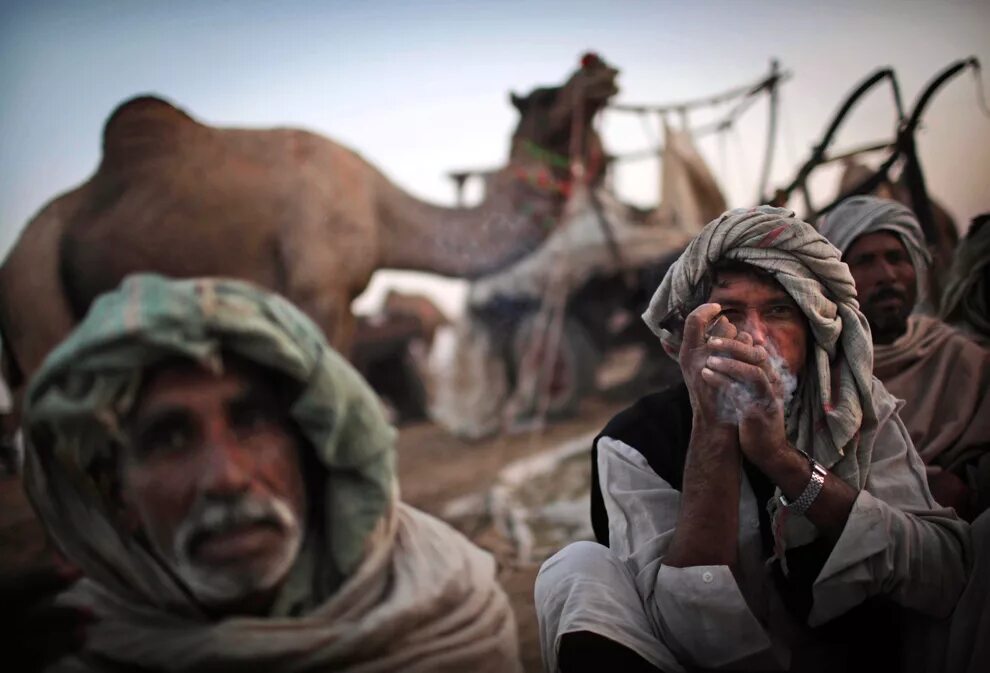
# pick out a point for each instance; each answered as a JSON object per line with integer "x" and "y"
{"x": 572, "y": 563}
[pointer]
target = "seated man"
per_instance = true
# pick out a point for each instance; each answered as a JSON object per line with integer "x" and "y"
{"x": 966, "y": 300}
{"x": 942, "y": 375}
{"x": 770, "y": 511}
{"x": 225, "y": 482}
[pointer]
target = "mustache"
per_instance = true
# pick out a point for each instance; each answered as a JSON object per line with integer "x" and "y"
{"x": 212, "y": 516}
{"x": 887, "y": 293}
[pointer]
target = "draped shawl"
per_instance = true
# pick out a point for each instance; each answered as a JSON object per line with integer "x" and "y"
{"x": 944, "y": 376}
{"x": 387, "y": 588}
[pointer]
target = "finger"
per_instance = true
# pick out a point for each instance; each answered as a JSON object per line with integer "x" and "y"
{"x": 741, "y": 372}
{"x": 736, "y": 349}
{"x": 721, "y": 328}
{"x": 697, "y": 320}
{"x": 744, "y": 338}
{"x": 716, "y": 379}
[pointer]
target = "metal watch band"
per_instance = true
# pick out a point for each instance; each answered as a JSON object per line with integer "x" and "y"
{"x": 811, "y": 491}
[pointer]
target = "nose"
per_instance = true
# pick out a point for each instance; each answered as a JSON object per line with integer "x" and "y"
{"x": 226, "y": 465}
{"x": 886, "y": 271}
{"x": 756, "y": 328}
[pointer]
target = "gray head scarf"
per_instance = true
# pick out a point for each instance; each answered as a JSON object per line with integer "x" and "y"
{"x": 860, "y": 215}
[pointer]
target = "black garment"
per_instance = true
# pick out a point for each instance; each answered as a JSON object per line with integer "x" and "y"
{"x": 658, "y": 426}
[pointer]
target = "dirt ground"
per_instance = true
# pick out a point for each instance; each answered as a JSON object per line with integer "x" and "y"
{"x": 436, "y": 468}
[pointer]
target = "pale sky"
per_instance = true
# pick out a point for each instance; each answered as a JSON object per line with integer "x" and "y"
{"x": 422, "y": 88}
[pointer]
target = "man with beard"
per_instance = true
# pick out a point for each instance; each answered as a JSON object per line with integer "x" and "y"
{"x": 770, "y": 513}
{"x": 225, "y": 483}
{"x": 942, "y": 375}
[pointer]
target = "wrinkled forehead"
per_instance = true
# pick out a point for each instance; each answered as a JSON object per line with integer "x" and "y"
{"x": 735, "y": 292}
{"x": 739, "y": 281}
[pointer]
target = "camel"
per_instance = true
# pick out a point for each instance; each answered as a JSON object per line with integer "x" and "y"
{"x": 285, "y": 208}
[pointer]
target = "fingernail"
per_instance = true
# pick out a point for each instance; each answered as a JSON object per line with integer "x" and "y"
{"x": 705, "y": 371}
{"x": 712, "y": 361}
{"x": 715, "y": 341}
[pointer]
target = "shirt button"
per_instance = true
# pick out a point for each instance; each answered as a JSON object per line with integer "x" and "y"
{"x": 755, "y": 523}
{"x": 707, "y": 577}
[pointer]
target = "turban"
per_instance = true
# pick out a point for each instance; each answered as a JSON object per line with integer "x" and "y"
{"x": 861, "y": 215}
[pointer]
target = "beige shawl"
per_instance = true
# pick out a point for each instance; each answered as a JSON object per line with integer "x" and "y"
{"x": 944, "y": 378}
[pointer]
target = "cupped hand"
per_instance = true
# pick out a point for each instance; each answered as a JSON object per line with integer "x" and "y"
{"x": 751, "y": 386}
{"x": 693, "y": 358}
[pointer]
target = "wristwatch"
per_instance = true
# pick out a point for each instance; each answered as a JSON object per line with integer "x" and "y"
{"x": 811, "y": 491}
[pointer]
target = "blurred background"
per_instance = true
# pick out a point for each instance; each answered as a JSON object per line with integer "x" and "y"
{"x": 420, "y": 89}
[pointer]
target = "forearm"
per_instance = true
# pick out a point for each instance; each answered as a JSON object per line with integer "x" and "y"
{"x": 708, "y": 521}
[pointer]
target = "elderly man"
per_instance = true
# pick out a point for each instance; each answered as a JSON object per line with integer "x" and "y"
{"x": 225, "y": 482}
{"x": 770, "y": 512}
{"x": 942, "y": 375}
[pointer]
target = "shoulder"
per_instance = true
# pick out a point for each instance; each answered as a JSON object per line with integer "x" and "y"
{"x": 950, "y": 337}
{"x": 658, "y": 427}
{"x": 639, "y": 424}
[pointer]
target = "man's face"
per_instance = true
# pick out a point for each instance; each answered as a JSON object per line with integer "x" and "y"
{"x": 763, "y": 309}
{"x": 213, "y": 474}
{"x": 885, "y": 282}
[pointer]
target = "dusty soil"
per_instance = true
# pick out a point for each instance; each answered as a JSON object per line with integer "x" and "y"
{"x": 436, "y": 468}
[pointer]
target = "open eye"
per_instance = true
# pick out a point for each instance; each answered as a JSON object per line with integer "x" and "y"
{"x": 897, "y": 257}
{"x": 167, "y": 435}
{"x": 782, "y": 311}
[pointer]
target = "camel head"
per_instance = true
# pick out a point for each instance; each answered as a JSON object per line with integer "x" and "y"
{"x": 547, "y": 114}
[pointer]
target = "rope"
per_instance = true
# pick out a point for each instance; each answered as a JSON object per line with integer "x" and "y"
{"x": 719, "y": 126}
{"x": 707, "y": 101}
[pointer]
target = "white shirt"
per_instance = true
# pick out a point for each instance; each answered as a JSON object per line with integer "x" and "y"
{"x": 897, "y": 541}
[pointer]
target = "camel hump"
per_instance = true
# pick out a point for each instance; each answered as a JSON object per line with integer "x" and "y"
{"x": 142, "y": 124}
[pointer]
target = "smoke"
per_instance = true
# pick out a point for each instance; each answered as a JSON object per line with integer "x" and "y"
{"x": 736, "y": 398}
